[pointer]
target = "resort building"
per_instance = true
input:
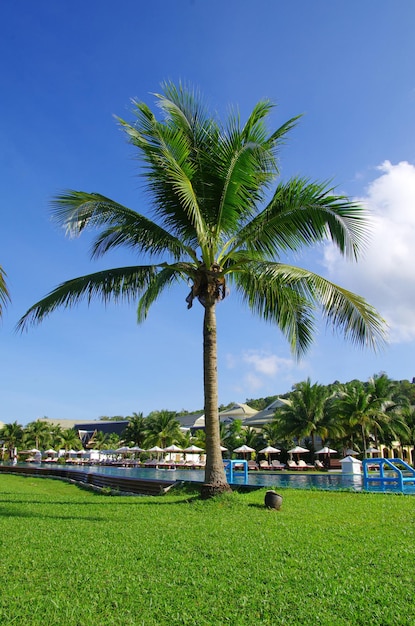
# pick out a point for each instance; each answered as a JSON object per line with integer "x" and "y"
{"x": 260, "y": 418}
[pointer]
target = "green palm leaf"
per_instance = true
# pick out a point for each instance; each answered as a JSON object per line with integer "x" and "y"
{"x": 124, "y": 283}
{"x": 4, "y": 293}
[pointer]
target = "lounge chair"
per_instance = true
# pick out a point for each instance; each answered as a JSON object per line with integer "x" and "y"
{"x": 319, "y": 465}
{"x": 304, "y": 466}
{"x": 151, "y": 463}
{"x": 264, "y": 465}
{"x": 292, "y": 465}
{"x": 277, "y": 465}
{"x": 253, "y": 465}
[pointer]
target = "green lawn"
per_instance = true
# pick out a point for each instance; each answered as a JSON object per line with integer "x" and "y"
{"x": 72, "y": 557}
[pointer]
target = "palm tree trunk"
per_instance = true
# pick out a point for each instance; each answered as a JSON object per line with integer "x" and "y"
{"x": 215, "y": 478}
{"x": 364, "y": 441}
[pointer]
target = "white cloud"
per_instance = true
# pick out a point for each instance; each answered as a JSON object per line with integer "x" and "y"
{"x": 266, "y": 364}
{"x": 385, "y": 274}
{"x": 261, "y": 369}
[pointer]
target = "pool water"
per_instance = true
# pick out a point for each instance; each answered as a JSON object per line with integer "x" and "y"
{"x": 326, "y": 481}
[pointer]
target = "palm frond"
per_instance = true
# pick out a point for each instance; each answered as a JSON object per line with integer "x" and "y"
{"x": 303, "y": 213}
{"x": 164, "y": 278}
{"x": 77, "y": 210}
{"x": 289, "y": 296}
{"x": 167, "y": 151}
{"x": 124, "y": 283}
{"x": 274, "y": 299}
{"x": 4, "y": 292}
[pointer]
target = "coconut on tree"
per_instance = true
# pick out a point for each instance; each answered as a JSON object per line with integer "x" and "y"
{"x": 218, "y": 221}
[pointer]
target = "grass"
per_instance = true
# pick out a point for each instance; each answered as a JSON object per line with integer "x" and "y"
{"x": 74, "y": 557}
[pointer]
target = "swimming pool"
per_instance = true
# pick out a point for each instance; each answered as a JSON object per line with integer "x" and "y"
{"x": 326, "y": 481}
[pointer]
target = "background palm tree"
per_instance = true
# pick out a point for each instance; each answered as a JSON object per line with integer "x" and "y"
{"x": 12, "y": 435}
{"x": 136, "y": 430}
{"x": 214, "y": 226}
{"x": 354, "y": 405}
{"x": 99, "y": 440}
{"x": 163, "y": 429}
{"x": 69, "y": 440}
{"x": 387, "y": 399}
{"x": 271, "y": 434}
{"x": 305, "y": 414}
{"x": 37, "y": 434}
{"x": 113, "y": 441}
{"x": 56, "y": 432}
{"x": 408, "y": 414}
{"x": 252, "y": 437}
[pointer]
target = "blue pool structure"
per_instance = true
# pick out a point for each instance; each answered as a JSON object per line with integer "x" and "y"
{"x": 388, "y": 475}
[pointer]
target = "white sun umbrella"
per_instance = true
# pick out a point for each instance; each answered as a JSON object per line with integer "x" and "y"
{"x": 173, "y": 449}
{"x": 50, "y": 451}
{"x": 268, "y": 451}
{"x": 123, "y": 450}
{"x": 298, "y": 450}
{"x": 244, "y": 450}
{"x": 326, "y": 450}
{"x": 350, "y": 452}
{"x": 156, "y": 449}
{"x": 223, "y": 449}
{"x": 194, "y": 449}
{"x": 136, "y": 450}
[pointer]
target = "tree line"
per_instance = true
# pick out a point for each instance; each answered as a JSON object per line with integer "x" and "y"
{"x": 342, "y": 415}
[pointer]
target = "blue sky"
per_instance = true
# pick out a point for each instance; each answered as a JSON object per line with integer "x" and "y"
{"x": 68, "y": 67}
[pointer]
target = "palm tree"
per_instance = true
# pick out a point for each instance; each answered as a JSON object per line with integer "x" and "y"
{"x": 98, "y": 440}
{"x": 271, "y": 434}
{"x": 135, "y": 431}
{"x": 214, "y": 226}
{"x": 69, "y": 440}
{"x": 38, "y": 434}
{"x": 355, "y": 407}
{"x": 56, "y": 435}
{"x": 163, "y": 429}
{"x": 252, "y": 437}
{"x": 374, "y": 408}
{"x": 387, "y": 397}
{"x": 12, "y": 435}
{"x": 113, "y": 440}
{"x": 408, "y": 414}
{"x": 4, "y": 292}
{"x": 305, "y": 414}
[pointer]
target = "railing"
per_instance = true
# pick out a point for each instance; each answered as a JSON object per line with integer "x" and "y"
{"x": 387, "y": 473}
{"x": 233, "y": 468}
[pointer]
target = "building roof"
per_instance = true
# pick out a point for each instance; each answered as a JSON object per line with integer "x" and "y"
{"x": 266, "y": 415}
{"x": 189, "y": 420}
{"x": 82, "y": 424}
{"x": 237, "y": 411}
